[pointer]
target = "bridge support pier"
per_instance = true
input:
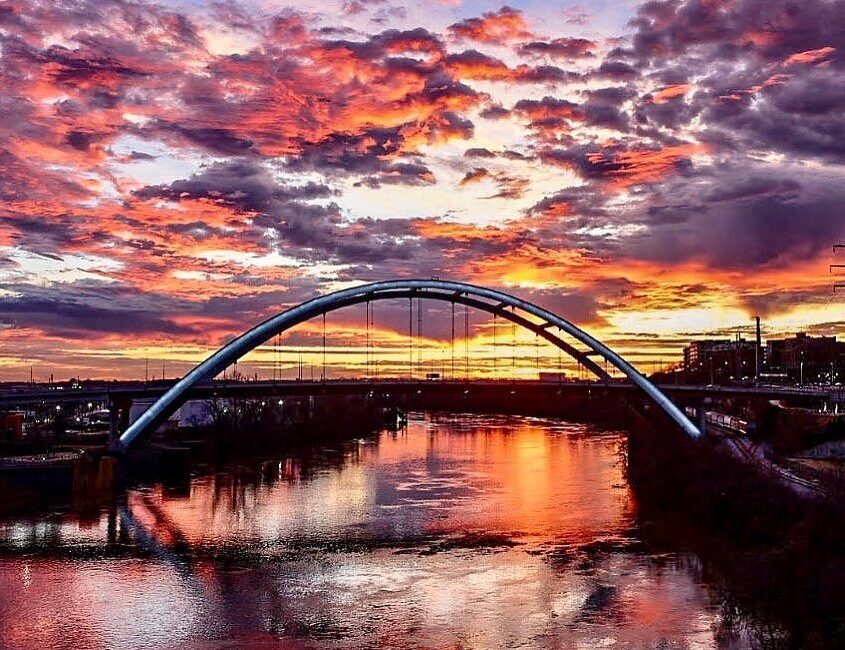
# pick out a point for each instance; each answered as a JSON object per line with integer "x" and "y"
{"x": 114, "y": 422}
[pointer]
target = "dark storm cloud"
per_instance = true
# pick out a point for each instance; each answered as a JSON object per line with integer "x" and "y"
{"x": 565, "y": 48}
{"x": 611, "y": 95}
{"x": 495, "y": 112}
{"x": 802, "y": 117}
{"x": 770, "y": 73}
{"x": 87, "y": 308}
{"x": 243, "y": 185}
{"x": 389, "y": 42}
{"x": 305, "y": 229}
{"x": 767, "y": 303}
{"x": 400, "y": 174}
{"x": 740, "y": 218}
{"x": 218, "y": 140}
{"x": 772, "y": 29}
{"x": 586, "y": 161}
{"x": 479, "y": 152}
{"x": 616, "y": 70}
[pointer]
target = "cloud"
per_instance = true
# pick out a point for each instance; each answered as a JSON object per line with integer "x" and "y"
{"x": 743, "y": 218}
{"x": 810, "y": 56}
{"x": 623, "y": 167}
{"x": 562, "y": 48}
{"x": 170, "y": 166}
{"x": 506, "y": 24}
{"x": 474, "y": 176}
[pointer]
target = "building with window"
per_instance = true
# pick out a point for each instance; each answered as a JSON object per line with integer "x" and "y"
{"x": 720, "y": 360}
{"x": 807, "y": 359}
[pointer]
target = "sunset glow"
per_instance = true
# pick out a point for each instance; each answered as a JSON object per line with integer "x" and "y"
{"x": 172, "y": 173}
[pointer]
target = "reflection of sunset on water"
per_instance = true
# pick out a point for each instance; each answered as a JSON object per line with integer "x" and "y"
{"x": 510, "y": 478}
{"x": 485, "y": 529}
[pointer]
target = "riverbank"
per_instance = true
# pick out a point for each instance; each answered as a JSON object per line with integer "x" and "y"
{"x": 779, "y": 556}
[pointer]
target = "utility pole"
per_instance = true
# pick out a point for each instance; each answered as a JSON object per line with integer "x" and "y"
{"x": 837, "y": 269}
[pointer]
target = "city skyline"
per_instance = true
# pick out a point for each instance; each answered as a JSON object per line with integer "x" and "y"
{"x": 173, "y": 173}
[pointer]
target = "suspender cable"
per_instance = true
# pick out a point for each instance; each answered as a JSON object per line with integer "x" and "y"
{"x": 466, "y": 342}
{"x": 410, "y": 338}
{"x": 559, "y": 362}
{"x": 324, "y": 347}
{"x": 495, "y": 349}
{"x": 367, "y": 348}
{"x": 453, "y": 341}
{"x": 420, "y": 364}
{"x": 374, "y": 359}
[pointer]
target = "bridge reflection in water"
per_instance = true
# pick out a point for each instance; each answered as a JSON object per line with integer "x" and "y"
{"x": 479, "y": 530}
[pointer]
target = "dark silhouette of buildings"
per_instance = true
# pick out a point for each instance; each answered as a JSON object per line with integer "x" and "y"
{"x": 716, "y": 361}
{"x": 799, "y": 359}
{"x": 807, "y": 359}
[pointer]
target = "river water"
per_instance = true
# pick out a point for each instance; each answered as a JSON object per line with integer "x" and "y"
{"x": 459, "y": 532}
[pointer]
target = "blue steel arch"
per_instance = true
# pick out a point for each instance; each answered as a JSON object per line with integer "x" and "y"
{"x": 483, "y": 298}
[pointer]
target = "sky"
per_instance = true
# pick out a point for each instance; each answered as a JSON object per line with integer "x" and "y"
{"x": 172, "y": 173}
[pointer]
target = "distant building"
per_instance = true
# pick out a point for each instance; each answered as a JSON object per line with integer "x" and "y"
{"x": 552, "y": 377}
{"x": 698, "y": 353}
{"x": 719, "y": 360}
{"x": 807, "y": 359}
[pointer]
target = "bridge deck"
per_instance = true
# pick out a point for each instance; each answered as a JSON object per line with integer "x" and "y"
{"x": 221, "y": 388}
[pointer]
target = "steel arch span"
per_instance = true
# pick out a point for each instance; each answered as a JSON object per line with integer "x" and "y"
{"x": 489, "y": 300}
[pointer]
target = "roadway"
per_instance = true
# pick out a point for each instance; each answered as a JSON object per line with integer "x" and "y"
{"x": 131, "y": 391}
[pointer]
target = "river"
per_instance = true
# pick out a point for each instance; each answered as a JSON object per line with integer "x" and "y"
{"x": 460, "y": 532}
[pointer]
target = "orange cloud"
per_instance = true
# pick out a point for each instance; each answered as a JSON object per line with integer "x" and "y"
{"x": 474, "y": 176}
{"x": 501, "y": 26}
{"x": 670, "y": 92}
{"x": 643, "y": 165}
{"x": 810, "y": 56}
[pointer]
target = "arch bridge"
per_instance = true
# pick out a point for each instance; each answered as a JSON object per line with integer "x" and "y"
{"x": 523, "y": 313}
